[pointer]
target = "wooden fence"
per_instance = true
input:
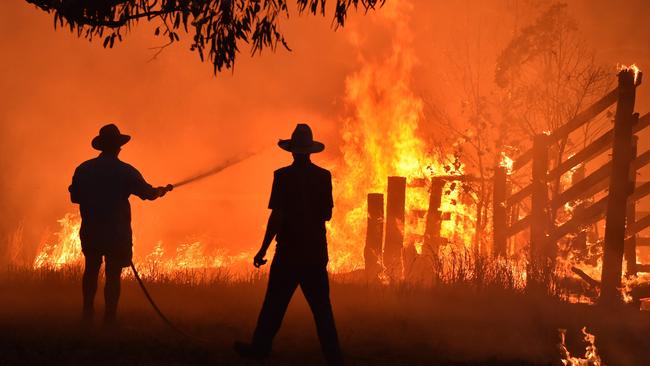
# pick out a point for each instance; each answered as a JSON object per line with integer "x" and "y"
{"x": 385, "y": 237}
{"x": 617, "y": 175}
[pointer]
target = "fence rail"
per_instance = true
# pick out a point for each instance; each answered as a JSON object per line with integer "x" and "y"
{"x": 617, "y": 175}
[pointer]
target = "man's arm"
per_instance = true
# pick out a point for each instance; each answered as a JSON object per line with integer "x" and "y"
{"x": 329, "y": 203}
{"x": 272, "y": 229}
{"x": 144, "y": 190}
{"x": 275, "y": 220}
{"x": 74, "y": 187}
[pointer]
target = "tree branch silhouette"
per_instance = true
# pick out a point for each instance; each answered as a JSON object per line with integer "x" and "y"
{"x": 217, "y": 27}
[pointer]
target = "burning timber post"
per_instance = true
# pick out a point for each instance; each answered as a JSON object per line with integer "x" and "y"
{"x": 619, "y": 188}
{"x": 434, "y": 216}
{"x": 374, "y": 235}
{"x": 540, "y": 253}
{"x": 396, "y": 259}
{"x": 630, "y": 243}
{"x": 393, "y": 244}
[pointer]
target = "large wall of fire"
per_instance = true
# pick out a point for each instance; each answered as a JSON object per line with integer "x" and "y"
{"x": 408, "y": 90}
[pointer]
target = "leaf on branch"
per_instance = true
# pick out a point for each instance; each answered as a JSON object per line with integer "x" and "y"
{"x": 218, "y": 26}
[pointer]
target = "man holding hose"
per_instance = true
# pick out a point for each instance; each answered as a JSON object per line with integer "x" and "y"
{"x": 102, "y": 186}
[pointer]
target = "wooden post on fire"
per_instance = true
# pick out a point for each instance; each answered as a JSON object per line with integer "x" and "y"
{"x": 619, "y": 190}
{"x": 374, "y": 235}
{"x": 395, "y": 200}
{"x": 630, "y": 244}
{"x": 539, "y": 225}
{"x": 434, "y": 216}
{"x": 499, "y": 216}
{"x": 579, "y": 241}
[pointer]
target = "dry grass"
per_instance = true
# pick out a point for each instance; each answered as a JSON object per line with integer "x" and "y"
{"x": 475, "y": 315}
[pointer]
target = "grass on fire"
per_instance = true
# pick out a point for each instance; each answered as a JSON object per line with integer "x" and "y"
{"x": 473, "y": 313}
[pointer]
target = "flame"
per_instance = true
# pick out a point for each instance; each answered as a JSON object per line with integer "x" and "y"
{"x": 66, "y": 250}
{"x": 593, "y": 268}
{"x": 506, "y": 162}
{"x": 192, "y": 256}
{"x": 67, "y": 247}
{"x": 634, "y": 68}
{"x": 381, "y": 138}
{"x": 591, "y": 356}
{"x": 630, "y": 282}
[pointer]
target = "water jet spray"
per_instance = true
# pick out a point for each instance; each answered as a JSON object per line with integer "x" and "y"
{"x": 215, "y": 170}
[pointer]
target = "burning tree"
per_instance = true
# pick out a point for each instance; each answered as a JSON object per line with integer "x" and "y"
{"x": 218, "y": 27}
{"x": 547, "y": 76}
{"x": 543, "y": 76}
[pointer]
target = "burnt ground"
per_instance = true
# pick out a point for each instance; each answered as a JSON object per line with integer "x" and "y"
{"x": 399, "y": 325}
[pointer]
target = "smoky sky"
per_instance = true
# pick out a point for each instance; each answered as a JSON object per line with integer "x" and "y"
{"x": 57, "y": 90}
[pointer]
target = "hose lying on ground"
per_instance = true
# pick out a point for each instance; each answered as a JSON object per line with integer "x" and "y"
{"x": 215, "y": 170}
{"x": 158, "y": 311}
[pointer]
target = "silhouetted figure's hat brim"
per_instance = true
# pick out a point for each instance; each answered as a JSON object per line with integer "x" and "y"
{"x": 302, "y": 141}
{"x": 109, "y": 138}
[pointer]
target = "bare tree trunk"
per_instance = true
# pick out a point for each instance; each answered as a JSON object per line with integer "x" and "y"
{"x": 499, "y": 217}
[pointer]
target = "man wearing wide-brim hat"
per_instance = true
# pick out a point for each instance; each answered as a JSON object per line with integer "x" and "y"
{"x": 102, "y": 186}
{"x": 301, "y": 202}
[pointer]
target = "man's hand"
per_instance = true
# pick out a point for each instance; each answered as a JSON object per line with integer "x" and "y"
{"x": 163, "y": 190}
{"x": 259, "y": 260}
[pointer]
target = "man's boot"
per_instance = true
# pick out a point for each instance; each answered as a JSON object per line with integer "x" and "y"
{"x": 87, "y": 316}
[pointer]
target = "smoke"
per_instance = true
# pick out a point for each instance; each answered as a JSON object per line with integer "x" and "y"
{"x": 58, "y": 90}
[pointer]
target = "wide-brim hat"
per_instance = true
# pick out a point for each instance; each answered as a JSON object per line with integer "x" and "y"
{"x": 109, "y": 138}
{"x": 302, "y": 141}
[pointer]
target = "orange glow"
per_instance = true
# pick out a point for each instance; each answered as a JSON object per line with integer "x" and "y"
{"x": 380, "y": 138}
{"x": 382, "y": 130}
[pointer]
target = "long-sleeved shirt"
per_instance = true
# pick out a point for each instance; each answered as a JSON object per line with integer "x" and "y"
{"x": 102, "y": 186}
{"x": 303, "y": 192}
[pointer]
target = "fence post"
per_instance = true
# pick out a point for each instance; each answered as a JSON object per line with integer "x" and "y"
{"x": 537, "y": 267}
{"x": 374, "y": 235}
{"x": 434, "y": 216}
{"x": 630, "y": 244}
{"x": 395, "y": 200}
{"x": 579, "y": 242}
{"x": 618, "y": 190}
{"x": 499, "y": 217}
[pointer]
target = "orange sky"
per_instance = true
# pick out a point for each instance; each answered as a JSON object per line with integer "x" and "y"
{"x": 57, "y": 90}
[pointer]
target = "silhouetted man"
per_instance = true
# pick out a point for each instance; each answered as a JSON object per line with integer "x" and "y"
{"x": 102, "y": 186}
{"x": 301, "y": 203}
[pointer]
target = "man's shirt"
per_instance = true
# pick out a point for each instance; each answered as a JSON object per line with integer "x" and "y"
{"x": 303, "y": 193}
{"x": 102, "y": 187}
